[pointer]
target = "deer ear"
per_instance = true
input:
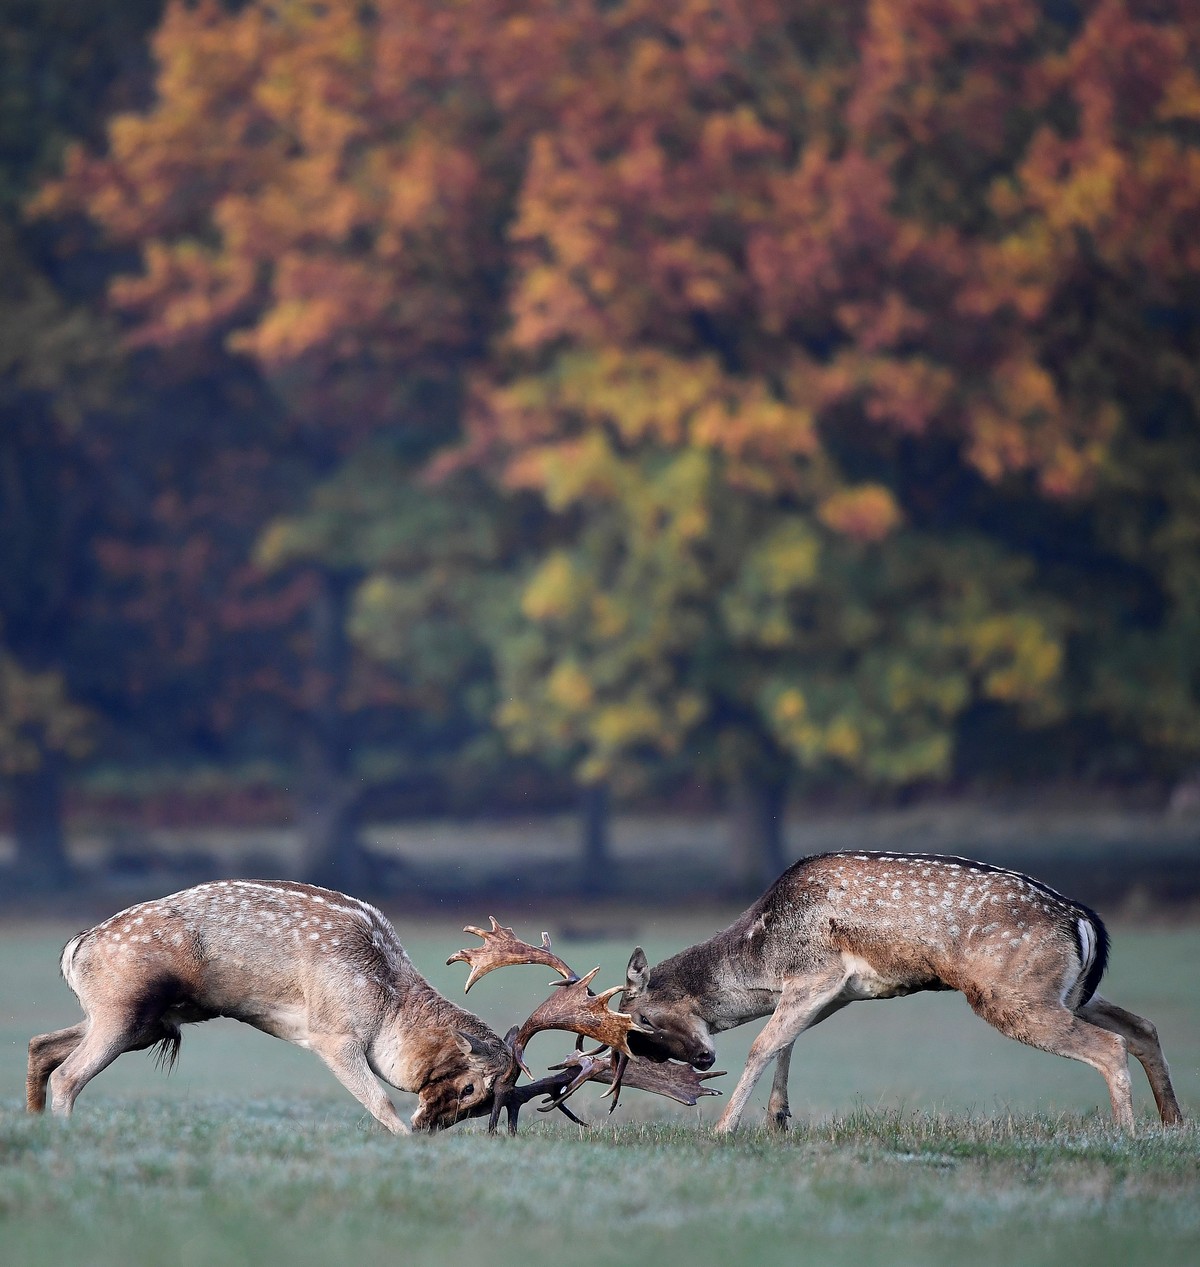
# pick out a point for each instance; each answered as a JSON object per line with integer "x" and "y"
{"x": 469, "y": 1044}
{"x": 637, "y": 974}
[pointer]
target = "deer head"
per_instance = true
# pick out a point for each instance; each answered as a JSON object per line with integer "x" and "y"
{"x": 462, "y": 1084}
{"x": 667, "y": 1022}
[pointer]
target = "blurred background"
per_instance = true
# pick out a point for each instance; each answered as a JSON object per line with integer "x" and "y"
{"x": 597, "y": 449}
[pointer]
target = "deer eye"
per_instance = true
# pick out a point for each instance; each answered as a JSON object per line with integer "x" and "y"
{"x": 469, "y": 1089}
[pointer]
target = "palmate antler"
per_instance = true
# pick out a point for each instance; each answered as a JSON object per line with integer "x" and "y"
{"x": 573, "y": 1008}
{"x": 501, "y": 947}
{"x": 676, "y": 1081}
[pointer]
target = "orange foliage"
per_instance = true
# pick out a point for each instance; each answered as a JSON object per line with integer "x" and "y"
{"x": 866, "y": 513}
{"x": 811, "y": 209}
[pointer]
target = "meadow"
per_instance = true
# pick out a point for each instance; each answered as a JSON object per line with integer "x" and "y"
{"x": 920, "y": 1135}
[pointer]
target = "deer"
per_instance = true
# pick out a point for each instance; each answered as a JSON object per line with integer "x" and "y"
{"x": 328, "y": 973}
{"x": 840, "y": 927}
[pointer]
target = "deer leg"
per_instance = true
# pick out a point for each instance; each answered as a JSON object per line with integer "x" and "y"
{"x": 777, "y": 1106}
{"x": 346, "y": 1059}
{"x": 103, "y": 1041}
{"x": 778, "y": 1110}
{"x": 1052, "y": 1027}
{"x": 71, "y": 1058}
{"x": 46, "y": 1053}
{"x": 1142, "y": 1040}
{"x": 801, "y": 1005}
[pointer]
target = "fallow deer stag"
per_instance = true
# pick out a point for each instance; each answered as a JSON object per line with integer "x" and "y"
{"x": 308, "y": 965}
{"x": 315, "y": 968}
{"x": 840, "y": 927}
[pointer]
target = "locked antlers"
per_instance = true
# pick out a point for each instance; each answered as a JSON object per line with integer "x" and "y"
{"x": 573, "y": 1008}
{"x": 677, "y": 1082}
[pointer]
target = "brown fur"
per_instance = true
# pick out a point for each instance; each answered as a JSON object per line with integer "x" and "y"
{"x": 308, "y": 965}
{"x": 841, "y": 927}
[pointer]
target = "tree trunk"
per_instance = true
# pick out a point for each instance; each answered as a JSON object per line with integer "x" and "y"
{"x": 36, "y": 798}
{"x": 596, "y": 877}
{"x": 756, "y": 812}
{"x": 331, "y": 854}
{"x": 330, "y": 851}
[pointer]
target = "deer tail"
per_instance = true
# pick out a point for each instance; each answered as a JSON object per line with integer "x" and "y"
{"x": 66, "y": 964}
{"x": 166, "y": 1050}
{"x": 1091, "y": 939}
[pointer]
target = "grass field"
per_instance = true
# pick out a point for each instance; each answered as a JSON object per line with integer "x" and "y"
{"x": 920, "y": 1136}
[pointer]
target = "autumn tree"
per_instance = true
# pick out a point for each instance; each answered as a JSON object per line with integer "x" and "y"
{"x": 809, "y": 309}
{"x": 318, "y": 191}
{"x": 64, "y": 68}
{"x": 1094, "y": 260}
{"x": 691, "y": 623}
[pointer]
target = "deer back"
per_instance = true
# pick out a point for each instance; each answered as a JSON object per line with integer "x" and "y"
{"x": 250, "y": 949}
{"x": 924, "y": 921}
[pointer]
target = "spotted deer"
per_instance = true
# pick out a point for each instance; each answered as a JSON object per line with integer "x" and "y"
{"x": 327, "y": 972}
{"x": 840, "y": 927}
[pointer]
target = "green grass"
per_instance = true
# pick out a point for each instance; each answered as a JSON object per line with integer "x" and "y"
{"x": 274, "y": 1182}
{"x": 920, "y": 1136}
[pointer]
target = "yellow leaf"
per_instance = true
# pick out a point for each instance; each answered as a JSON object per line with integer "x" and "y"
{"x": 866, "y": 513}
{"x": 568, "y": 686}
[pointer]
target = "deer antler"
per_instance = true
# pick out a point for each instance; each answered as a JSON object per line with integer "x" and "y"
{"x": 557, "y": 1087}
{"x": 502, "y": 947}
{"x": 670, "y": 1078}
{"x": 678, "y": 1082}
{"x": 574, "y": 1008}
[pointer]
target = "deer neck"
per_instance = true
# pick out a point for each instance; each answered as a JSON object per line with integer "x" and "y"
{"x": 417, "y": 1041}
{"x": 723, "y": 978}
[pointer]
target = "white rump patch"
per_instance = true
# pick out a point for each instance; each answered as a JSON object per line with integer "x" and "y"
{"x": 1087, "y": 954}
{"x": 1087, "y": 942}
